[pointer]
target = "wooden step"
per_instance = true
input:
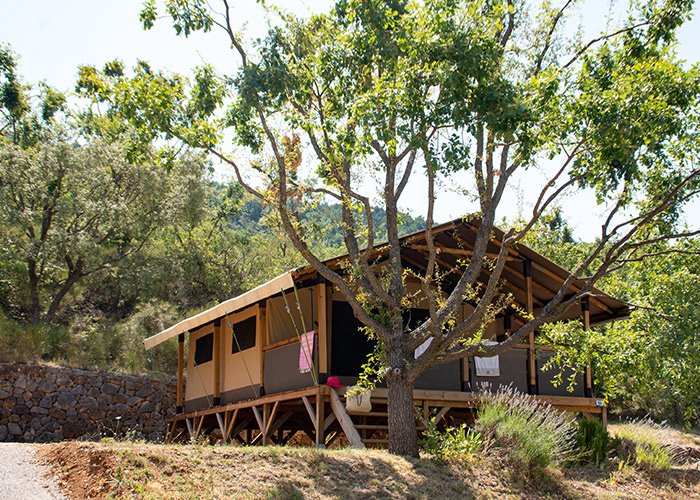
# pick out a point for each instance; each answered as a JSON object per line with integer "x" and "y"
{"x": 369, "y": 413}
{"x": 368, "y": 426}
{"x": 375, "y": 441}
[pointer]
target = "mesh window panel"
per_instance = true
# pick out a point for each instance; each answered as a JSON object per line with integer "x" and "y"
{"x": 244, "y": 331}
{"x": 203, "y": 349}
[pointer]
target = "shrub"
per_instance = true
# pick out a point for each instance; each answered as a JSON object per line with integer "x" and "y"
{"x": 19, "y": 342}
{"x": 593, "y": 441}
{"x": 454, "y": 442}
{"x": 530, "y": 433}
{"x": 646, "y": 443}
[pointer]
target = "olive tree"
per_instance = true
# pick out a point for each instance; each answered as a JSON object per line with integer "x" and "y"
{"x": 71, "y": 203}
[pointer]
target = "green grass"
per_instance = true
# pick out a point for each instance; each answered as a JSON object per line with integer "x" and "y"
{"x": 646, "y": 443}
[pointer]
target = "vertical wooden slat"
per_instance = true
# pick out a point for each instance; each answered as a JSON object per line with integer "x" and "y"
{"x": 180, "y": 371}
{"x": 532, "y": 367}
{"x": 322, "y": 331}
{"x": 217, "y": 362}
{"x": 586, "y": 309}
{"x": 329, "y": 328}
{"x": 261, "y": 340}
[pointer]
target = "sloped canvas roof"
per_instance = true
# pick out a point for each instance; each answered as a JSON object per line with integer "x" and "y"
{"x": 455, "y": 241}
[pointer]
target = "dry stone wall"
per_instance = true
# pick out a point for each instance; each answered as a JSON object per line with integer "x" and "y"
{"x": 43, "y": 403}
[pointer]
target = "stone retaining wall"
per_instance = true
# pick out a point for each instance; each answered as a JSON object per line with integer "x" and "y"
{"x": 43, "y": 403}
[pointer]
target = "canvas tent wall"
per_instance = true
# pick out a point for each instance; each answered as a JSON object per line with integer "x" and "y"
{"x": 341, "y": 346}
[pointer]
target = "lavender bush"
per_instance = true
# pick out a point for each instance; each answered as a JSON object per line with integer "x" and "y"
{"x": 531, "y": 434}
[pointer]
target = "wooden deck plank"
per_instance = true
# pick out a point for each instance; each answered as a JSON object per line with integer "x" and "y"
{"x": 453, "y": 399}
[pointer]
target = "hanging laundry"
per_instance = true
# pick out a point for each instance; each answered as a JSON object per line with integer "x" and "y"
{"x": 487, "y": 367}
{"x": 306, "y": 351}
{"x": 422, "y": 348}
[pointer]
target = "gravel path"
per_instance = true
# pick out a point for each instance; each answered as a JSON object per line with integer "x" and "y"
{"x": 21, "y": 478}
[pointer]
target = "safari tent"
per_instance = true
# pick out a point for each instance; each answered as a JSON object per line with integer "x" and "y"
{"x": 257, "y": 365}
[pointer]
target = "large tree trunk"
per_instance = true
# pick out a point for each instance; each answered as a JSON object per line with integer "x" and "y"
{"x": 72, "y": 279}
{"x": 403, "y": 439}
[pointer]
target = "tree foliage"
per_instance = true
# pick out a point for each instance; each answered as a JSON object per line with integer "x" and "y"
{"x": 386, "y": 91}
{"x": 72, "y": 204}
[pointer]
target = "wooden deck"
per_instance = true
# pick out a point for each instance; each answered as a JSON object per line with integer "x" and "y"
{"x": 319, "y": 412}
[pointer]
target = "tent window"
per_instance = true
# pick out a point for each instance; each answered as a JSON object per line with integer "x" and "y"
{"x": 244, "y": 331}
{"x": 203, "y": 349}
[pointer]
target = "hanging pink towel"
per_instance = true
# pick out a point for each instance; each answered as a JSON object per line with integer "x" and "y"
{"x": 306, "y": 351}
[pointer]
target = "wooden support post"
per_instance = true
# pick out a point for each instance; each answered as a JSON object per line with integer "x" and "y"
{"x": 323, "y": 343}
{"x": 604, "y": 416}
{"x": 190, "y": 428}
{"x": 217, "y": 362}
{"x": 230, "y": 425}
{"x": 531, "y": 365}
{"x": 222, "y": 425}
{"x": 180, "y": 371}
{"x": 320, "y": 430}
{"x": 258, "y": 417}
{"x": 310, "y": 410}
{"x": 345, "y": 421}
{"x": 441, "y": 414}
{"x": 586, "y": 310}
{"x": 464, "y": 372}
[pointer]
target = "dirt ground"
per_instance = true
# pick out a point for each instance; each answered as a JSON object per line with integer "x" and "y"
{"x": 150, "y": 471}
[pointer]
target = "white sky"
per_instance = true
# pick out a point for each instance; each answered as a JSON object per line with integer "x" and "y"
{"x": 53, "y": 38}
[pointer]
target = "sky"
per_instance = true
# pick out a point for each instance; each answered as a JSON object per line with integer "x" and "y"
{"x": 53, "y": 38}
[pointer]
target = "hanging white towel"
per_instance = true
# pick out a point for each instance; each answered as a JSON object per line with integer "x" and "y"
{"x": 422, "y": 348}
{"x": 487, "y": 367}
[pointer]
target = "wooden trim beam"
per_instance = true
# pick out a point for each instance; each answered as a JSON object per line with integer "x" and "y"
{"x": 261, "y": 340}
{"x": 280, "y": 343}
{"x": 532, "y": 366}
{"x": 218, "y": 340}
{"x": 464, "y": 372}
{"x": 323, "y": 329}
{"x": 180, "y": 371}
{"x": 588, "y": 374}
{"x": 456, "y": 251}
